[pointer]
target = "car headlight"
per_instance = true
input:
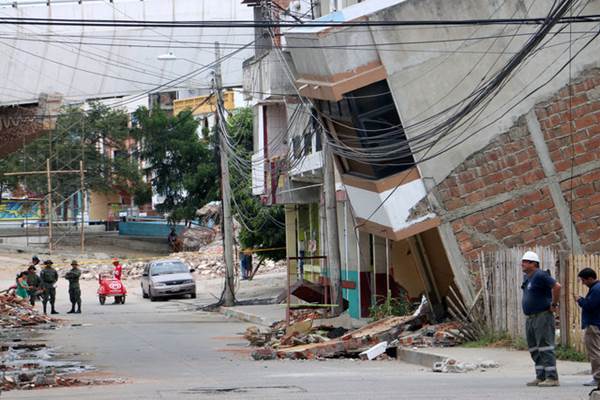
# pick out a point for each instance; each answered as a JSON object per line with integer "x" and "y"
{"x": 187, "y": 281}
{"x": 159, "y": 284}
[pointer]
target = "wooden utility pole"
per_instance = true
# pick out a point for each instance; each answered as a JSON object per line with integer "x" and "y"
{"x": 333, "y": 241}
{"x": 82, "y": 208}
{"x": 227, "y": 229}
{"x": 50, "y": 206}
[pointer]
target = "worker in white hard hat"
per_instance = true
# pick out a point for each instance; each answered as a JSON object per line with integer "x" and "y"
{"x": 540, "y": 301}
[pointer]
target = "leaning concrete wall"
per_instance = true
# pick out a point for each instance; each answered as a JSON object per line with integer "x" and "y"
{"x": 538, "y": 183}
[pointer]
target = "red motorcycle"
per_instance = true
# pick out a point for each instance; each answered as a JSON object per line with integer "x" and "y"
{"x": 111, "y": 287}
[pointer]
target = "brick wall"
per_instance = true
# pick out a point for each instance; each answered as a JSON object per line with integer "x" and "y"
{"x": 500, "y": 197}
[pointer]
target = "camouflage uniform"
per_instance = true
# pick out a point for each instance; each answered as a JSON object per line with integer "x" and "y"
{"x": 33, "y": 280}
{"x": 74, "y": 289}
{"x": 49, "y": 277}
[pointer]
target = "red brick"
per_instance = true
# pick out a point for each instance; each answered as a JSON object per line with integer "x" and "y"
{"x": 593, "y": 235}
{"x": 473, "y": 186}
{"x": 544, "y": 204}
{"x": 585, "y": 158}
{"x": 474, "y": 198}
{"x": 532, "y": 234}
{"x": 594, "y": 199}
{"x": 473, "y": 219}
{"x": 453, "y": 204}
{"x": 539, "y": 218}
{"x": 533, "y": 196}
{"x": 585, "y": 190}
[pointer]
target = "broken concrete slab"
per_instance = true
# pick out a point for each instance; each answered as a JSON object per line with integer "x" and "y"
{"x": 374, "y": 351}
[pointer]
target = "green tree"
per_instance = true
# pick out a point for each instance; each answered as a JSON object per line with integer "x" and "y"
{"x": 262, "y": 226}
{"x": 97, "y": 135}
{"x": 182, "y": 166}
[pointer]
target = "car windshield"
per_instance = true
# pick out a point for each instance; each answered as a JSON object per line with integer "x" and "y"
{"x": 168, "y": 268}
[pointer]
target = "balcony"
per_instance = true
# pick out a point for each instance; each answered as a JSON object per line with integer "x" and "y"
{"x": 386, "y": 207}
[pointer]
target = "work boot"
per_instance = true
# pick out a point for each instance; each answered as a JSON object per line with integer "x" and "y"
{"x": 534, "y": 382}
{"x": 44, "y": 304}
{"x": 78, "y": 308}
{"x": 53, "y": 311}
{"x": 549, "y": 383}
{"x": 593, "y": 382}
{"x": 72, "y": 311}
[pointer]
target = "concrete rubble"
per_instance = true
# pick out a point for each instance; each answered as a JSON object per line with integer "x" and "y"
{"x": 451, "y": 365}
{"x": 208, "y": 263}
{"x": 26, "y": 364}
{"x": 377, "y": 340}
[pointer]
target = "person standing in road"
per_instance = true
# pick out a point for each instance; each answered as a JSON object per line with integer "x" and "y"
{"x": 540, "y": 301}
{"x": 22, "y": 288}
{"x": 49, "y": 277}
{"x": 74, "y": 289}
{"x": 118, "y": 270}
{"x": 590, "y": 320}
{"x": 33, "y": 281}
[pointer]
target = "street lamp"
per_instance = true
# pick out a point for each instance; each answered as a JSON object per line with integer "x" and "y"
{"x": 167, "y": 57}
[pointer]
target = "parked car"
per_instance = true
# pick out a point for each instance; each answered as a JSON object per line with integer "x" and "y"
{"x": 167, "y": 278}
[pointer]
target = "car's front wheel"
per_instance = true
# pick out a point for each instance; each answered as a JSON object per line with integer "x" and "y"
{"x": 152, "y": 298}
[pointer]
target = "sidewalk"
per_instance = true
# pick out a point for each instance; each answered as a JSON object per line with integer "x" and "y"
{"x": 515, "y": 360}
{"x": 264, "y": 315}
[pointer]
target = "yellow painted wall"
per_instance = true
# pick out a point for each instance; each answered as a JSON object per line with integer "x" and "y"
{"x": 440, "y": 266}
{"x": 405, "y": 268}
{"x": 101, "y": 204}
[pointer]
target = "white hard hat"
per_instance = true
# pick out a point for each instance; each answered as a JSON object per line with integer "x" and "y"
{"x": 530, "y": 256}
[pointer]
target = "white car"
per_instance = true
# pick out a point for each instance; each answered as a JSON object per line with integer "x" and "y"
{"x": 167, "y": 278}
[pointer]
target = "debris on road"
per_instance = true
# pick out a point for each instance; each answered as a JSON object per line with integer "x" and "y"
{"x": 441, "y": 335}
{"x": 451, "y": 365}
{"x": 303, "y": 339}
{"x": 208, "y": 263}
{"x": 374, "y": 352}
{"x": 16, "y": 313}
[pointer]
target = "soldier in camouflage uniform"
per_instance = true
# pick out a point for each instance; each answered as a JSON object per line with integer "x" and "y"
{"x": 34, "y": 282}
{"x": 49, "y": 277}
{"x": 74, "y": 290}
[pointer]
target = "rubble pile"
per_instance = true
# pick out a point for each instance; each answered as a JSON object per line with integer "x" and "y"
{"x": 302, "y": 340}
{"x": 16, "y": 313}
{"x": 441, "y": 335}
{"x": 196, "y": 238}
{"x": 208, "y": 263}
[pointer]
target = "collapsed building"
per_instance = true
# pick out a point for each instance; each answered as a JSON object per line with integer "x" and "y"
{"x": 424, "y": 183}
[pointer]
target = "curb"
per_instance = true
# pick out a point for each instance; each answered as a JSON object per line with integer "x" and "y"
{"x": 243, "y": 316}
{"x": 419, "y": 358}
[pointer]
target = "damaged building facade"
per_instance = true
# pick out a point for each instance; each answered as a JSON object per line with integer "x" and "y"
{"x": 418, "y": 201}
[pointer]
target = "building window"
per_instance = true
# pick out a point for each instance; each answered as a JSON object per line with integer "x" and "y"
{"x": 367, "y": 118}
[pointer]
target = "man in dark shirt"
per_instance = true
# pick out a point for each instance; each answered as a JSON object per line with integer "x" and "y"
{"x": 540, "y": 302}
{"x": 590, "y": 320}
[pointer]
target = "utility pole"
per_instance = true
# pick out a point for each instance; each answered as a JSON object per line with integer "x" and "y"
{"x": 227, "y": 229}
{"x": 333, "y": 241}
{"x": 82, "y": 208}
{"x": 50, "y": 206}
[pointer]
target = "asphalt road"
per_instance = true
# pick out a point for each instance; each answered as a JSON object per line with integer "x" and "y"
{"x": 169, "y": 350}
